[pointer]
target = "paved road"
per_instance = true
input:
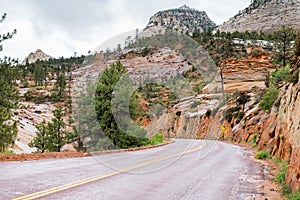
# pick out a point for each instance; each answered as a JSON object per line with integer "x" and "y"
{"x": 185, "y": 169}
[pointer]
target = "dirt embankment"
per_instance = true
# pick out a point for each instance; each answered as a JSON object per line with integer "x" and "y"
{"x": 39, "y": 156}
{"x": 52, "y": 155}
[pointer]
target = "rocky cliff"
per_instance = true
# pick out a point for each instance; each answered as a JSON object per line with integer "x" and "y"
{"x": 183, "y": 19}
{"x": 281, "y": 133}
{"x": 265, "y": 15}
{"x": 277, "y": 132}
{"x": 35, "y": 56}
{"x": 244, "y": 74}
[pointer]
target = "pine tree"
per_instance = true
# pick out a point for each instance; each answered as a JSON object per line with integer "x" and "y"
{"x": 103, "y": 105}
{"x": 9, "y": 97}
{"x": 283, "y": 39}
{"x": 295, "y": 62}
{"x": 42, "y": 141}
{"x": 87, "y": 124}
{"x": 53, "y": 135}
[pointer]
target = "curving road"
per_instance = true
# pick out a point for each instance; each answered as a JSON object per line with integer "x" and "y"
{"x": 185, "y": 169}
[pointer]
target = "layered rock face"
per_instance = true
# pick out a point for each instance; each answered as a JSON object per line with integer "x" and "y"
{"x": 185, "y": 120}
{"x": 266, "y": 16}
{"x": 244, "y": 74}
{"x": 277, "y": 132}
{"x": 37, "y": 55}
{"x": 282, "y": 132}
{"x": 183, "y": 19}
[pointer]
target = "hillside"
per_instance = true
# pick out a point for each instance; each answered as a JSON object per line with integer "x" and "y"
{"x": 266, "y": 16}
{"x": 183, "y": 19}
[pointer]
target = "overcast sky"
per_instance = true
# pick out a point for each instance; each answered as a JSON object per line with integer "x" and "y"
{"x": 62, "y": 27}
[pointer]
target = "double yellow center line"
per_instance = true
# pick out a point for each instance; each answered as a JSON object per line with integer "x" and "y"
{"x": 82, "y": 182}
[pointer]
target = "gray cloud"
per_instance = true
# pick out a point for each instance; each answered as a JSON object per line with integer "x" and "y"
{"x": 76, "y": 17}
{"x": 60, "y": 27}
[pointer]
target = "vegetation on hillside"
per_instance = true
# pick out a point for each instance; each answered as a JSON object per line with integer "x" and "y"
{"x": 9, "y": 97}
{"x": 52, "y": 136}
{"x": 113, "y": 113}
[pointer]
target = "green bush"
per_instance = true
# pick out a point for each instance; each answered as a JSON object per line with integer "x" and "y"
{"x": 228, "y": 116}
{"x": 28, "y": 95}
{"x": 253, "y": 141}
{"x": 240, "y": 116}
{"x": 7, "y": 152}
{"x": 231, "y": 112}
{"x": 269, "y": 98}
{"x": 280, "y": 177}
{"x": 262, "y": 155}
{"x": 288, "y": 193}
{"x": 208, "y": 113}
{"x": 280, "y": 75}
{"x": 295, "y": 196}
{"x": 234, "y": 109}
{"x": 294, "y": 78}
{"x": 157, "y": 139}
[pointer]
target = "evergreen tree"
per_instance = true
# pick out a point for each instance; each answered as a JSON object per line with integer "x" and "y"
{"x": 283, "y": 39}
{"x": 53, "y": 135}
{"x": 87, "y": 124}
{"x": 295, "y": 62}
{"x": 243, "y": 99}
{"x": 9, "y": 97}
{"x": 42, "y": 141}
{"x": 103, "y": 105}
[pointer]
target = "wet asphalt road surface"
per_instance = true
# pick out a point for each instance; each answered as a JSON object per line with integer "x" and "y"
{"x": 185, "y": 169}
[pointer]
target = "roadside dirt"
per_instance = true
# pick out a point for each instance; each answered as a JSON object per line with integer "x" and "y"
{"x": 39, "y": 156}
{"x": 55, "y": 155}
{"x": 266, "y": 184}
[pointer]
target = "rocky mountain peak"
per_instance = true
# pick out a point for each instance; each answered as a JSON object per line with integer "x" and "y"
{"x": 183, "y": 19}
{"x": 266, "y": 16}
{"x": 35, "y": 56}
{"x": 185, "y": 7}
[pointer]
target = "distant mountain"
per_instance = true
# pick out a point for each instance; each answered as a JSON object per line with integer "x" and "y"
{"x": 183, "y": 19}
{"x": 37, "y": 55}
{"x": 266, "y": 16}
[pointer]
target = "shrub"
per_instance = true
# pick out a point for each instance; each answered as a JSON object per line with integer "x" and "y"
{"x": 295, "y": 196}
{"x": 146, "y": 51}
{"x": 7, "y": 152}
{"x": 280, "y": 75}
{"x": 208, "y": 113}
{"x": 234, "y": 109}
{"x": 253, "y": 141}
{"x": 263, "y": 154}
{"x": 157, "y": 139}
{"x": 28, "y": 95}
{"x": 280, "y": 177}
{"x": 269, "y": 98}
{"x": 240, "y": 116}
{"x": 294, "y": 78}
{"x": 228, "y": 116}
{"x": 232, "y": 112}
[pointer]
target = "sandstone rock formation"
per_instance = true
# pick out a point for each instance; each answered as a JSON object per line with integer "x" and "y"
{"x": 28, "y": 116}
{"x": 266, "y": 16}
{"x": 183, "y": 19}
{"x": 277, "y": 132}
{"x": 282, "y": 132}
{"x": 184, "y": 120}
{"x": 37, "y": 55}
{"x": 242, "y": 74}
